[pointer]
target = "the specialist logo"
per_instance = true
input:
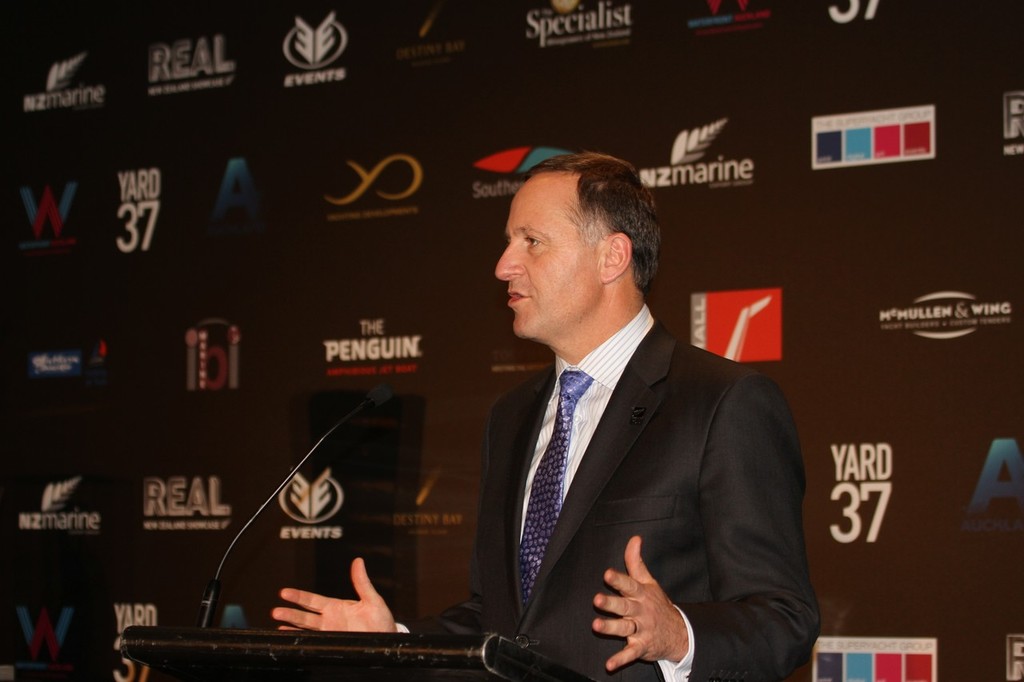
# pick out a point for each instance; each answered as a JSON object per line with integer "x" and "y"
{"x": 127, "y": 614}
{"x": 1013, "y": 123}
{"x": 184, "y": 503}
{"x": 946, "y": 315}
{"x": 844, "y": 15}
{"x": 59, "y": 92}
{"x": 870, "y": 137}
{"x": 728, "y": 16}
{"x": 44, "y": 633}
{"x": 47, "y": 212}
{"x": 423, "y": 522}
{"x": 211, "y": 355}
{"x": 745, "y": 325}
{"x": 515, "y": 161}
{"x": 373, "y": 353}
{"x": 997, "y": 505}
{"x": 863, "y": 474}
{"x": 858, "y": 659}
{"x": 686, "y": 167}
{"x": 394, "y": 178}
{"x": 237, "y": 210}
{"x": 570, "y": 22}
{"x": 1015, "y": 658}
{"x": 314, "y": 49}
{"x": 430, "y": 50}
{"x": 140, "y": 206}
{"x": 311, "y": 503}
{"x": 53, "y": 515}
{"x": 188, "y": 65}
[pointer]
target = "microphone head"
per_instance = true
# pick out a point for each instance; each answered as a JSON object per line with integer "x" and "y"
{"x": 379, "y": 394}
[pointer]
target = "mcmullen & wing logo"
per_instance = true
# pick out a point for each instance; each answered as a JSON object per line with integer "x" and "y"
{"x": 59, "y": 93}
{"x": 1013, "y": 122}
{"x": 311, "y": 503}
{"x": 313, "y": 49}
{"x": 515, "y": 161}
{"x": 857, "y": 659}
{"x": 186, "y": 65}
{"x": 53, "y": 516}
{"x": 48, "y": 211}
{"x": 45, "y": 633}
{"x": 728, "y": 16}
{"x": 870, "y": 137}
{"x": 569, "y": 22}
{"x": 946, "y": 315}
{"x": 211, "y": 357}
{"x": 997, "y": 505}
{"x": 399, "y": 184}
{"x": 745, "y": 326}
{"x": 687, "y": 169}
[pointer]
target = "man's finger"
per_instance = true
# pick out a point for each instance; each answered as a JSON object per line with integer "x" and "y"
{"x": 361, "y": 581}
{"x": 307, "y": 600}
{"x": 635, "y": 565}
{"x": 624, "y": 657}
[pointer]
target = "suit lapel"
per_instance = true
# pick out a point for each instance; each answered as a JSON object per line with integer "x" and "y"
{"x": 628, "y": 412}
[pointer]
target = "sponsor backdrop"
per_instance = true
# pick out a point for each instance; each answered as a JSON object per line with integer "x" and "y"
{"x": 224, "y": 225}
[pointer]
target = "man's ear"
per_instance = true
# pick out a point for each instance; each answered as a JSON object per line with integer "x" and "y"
{"x": 617, "y": 257}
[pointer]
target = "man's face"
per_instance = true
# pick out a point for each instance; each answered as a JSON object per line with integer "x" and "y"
{"x": 553, "y": 277}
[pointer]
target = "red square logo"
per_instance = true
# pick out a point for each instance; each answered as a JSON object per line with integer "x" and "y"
{"x": 917, "y": 139}
{"x": 745, "y": 326}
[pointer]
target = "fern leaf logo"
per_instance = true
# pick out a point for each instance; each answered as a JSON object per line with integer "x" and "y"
{"x": 690, "y": 145}
{"x": 61, "y": 73}
{"x": 56, "y": 495}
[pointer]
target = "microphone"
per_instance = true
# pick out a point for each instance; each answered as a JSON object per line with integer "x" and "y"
{"x": 377, "y": 396}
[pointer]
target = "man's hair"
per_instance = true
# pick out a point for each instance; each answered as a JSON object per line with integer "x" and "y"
{"x": 610, "y": 197}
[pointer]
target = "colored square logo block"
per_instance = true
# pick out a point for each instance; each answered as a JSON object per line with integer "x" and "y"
{"x": 830, "y": 147}
{"x": 887, "y": 142}
{"x": 917, "y": 139}
{"x": 858, "y": 144}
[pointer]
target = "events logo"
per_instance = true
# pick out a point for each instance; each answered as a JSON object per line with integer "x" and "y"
{"x": 860, "y": 659}
{"x": 515, "y": 161}
{"x": 313, "y": 49}
{"x": 870, "y": 137}
{"x": 237, "y": 210}
{"x": 998, "y": 501}
{"x": 400, "y": 182}
{"x": 1014, "y": 658}
{"x": 188, "y": 66}
{"x": 131, "y": 614}
{"x": 311, "y": 503}
{"x": 44, "y": 633}
{"x": 687, "y": 169}
{"x": 174, "y": 503}
{"x": 430, "y": 52}
{"x": 140, "y": 206}
{"x": 862, "y": 472}
{"x": 567, "y": 22}
{"x": 46, "y": 211}
{"x": 373, "y": 353}
{"x": 745, "y": 326}
{"x": 59, "y": 92}
{"x": 1013, "y": 122}
{"x": 728, "y": 16}
{"x": 52, "y": 514}
{"x": 211, "y": 355}
{"x": 946, "y": 315}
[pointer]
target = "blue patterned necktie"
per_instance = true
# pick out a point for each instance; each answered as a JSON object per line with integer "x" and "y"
{"x": 546, "y": 492}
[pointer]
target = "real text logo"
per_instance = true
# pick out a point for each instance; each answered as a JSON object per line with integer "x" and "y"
{"x": 687, "y": 169}
{"x": 211, "y": 355}
{"x": 871, "y": 137}
{"x": 946, "y": 315}
{"x": 174, "y": 503}
{"x": 515, "y": 161}
{"x": 311, "y": 503}
{"x": 47, "y": 212}
{"x": 997, "y": 504}
{"x": 313, "y": 49}
{"x": 567, "y": 22}
{"x": 400, "y": 182}
{"x": 745, "y": 326}
{"x": 186, "y": 65}
{"x": 59, "y": 93}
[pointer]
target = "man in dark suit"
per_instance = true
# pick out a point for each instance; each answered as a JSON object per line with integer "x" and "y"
{"x": 640, "y": 513}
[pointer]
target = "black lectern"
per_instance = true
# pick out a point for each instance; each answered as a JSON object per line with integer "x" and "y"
{"x": 202, "y": 654}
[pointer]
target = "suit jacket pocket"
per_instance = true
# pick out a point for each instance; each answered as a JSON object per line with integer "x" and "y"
{"x": 634, "y": 510}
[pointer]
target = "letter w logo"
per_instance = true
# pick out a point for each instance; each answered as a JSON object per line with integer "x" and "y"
{"x": 44, "y": 631}
{"x": 47, "y": 209}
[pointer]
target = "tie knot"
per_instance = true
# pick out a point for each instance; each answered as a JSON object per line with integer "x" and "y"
{"x": 574, "y": 384}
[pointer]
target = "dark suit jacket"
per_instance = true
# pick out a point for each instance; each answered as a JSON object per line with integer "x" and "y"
{"x": 699, "y": 456}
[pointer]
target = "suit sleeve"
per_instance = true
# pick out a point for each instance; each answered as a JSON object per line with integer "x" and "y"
{"x": 762, "y": 619}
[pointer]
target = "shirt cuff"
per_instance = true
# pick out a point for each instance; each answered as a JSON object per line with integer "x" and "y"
{"x": 680, "y": 671}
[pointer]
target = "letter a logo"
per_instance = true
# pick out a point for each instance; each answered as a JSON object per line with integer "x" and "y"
{"x": 237, "y": 210}
{"x": 1003, "y": 456}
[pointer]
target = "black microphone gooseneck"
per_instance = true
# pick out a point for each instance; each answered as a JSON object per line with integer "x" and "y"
{"x": 378, "y": 395}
